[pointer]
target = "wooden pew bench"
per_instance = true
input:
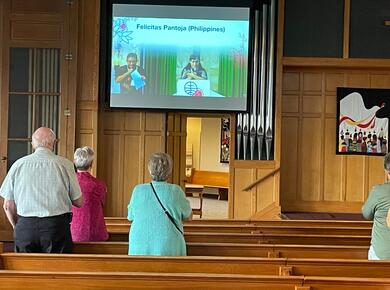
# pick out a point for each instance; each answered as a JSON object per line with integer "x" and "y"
{"x": 238, "y": 250}
{"x": 218, "y": 265}
{"x": 307, "y": 223}
{"x": 34, "y": 280}
{"x": 275, "y": 234}
{"x": 124, "y": 263}
{"x": 265, "y": 238}
{"x": 210, "y": 179}
{"x": 18, "y": 280}
{"x": 200, "y": 182}
{"x": 117, "y": 229}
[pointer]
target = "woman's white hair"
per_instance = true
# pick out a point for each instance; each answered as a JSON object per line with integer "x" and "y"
{"x": 83, "y": 158}
{"x": 160, "y": 166}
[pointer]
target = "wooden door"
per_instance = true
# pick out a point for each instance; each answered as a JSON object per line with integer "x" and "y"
{"x": 37, "y": 76}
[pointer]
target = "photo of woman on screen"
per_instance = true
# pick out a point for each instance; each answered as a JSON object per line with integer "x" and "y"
{"x": 194, "y": 70}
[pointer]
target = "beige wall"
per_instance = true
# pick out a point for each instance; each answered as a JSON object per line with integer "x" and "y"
{"x": 193, "y": 139}
{"x": 204, "y": 136}
{"x": 210, "y": 137}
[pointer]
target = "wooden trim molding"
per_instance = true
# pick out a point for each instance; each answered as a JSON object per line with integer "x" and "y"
{"x": 347, "y": 16}
{"x": 336, "y": 62}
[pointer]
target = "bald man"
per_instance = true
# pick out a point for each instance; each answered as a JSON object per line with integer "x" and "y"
{"x": 39, "y": 191}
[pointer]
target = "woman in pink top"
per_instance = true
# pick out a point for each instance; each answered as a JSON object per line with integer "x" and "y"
{"x": 88, "y": 221}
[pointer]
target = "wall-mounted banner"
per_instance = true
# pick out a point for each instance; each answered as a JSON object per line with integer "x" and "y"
{"x": 225, "y": 141}
{"x": 363, "y": 121}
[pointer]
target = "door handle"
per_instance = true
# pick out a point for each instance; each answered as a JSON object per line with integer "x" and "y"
{"x": 3, "y": 158}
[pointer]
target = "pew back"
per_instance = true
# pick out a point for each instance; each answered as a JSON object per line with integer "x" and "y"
{"x": 238, "y": 250}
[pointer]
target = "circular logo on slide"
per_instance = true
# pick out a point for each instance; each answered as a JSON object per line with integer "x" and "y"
{"x": 192, "y": 89}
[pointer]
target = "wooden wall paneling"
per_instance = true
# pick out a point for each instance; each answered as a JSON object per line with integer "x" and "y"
{"x": 183, "y": 150}
{"x": 88, "y": 77}
{"x": 323, "y": 63}
{"x": 111, "y": 159}
{"x": 71, "y": 24}
{"x": 290, "y": 136}
{"x": 39, "y": 22}
{"x": 333, "y": 165}
{"x": 357, "y": 80}
{"x": 132, "y": 170}
{"x": 290, "y": 98}
{"x": 110, "y": 169}
{"x": 243, "y": 200}
{"x": 36, "y": 31}
{"x": 176, "y": 145}
{"x": 289, "y": 159}
{"x": 263, "y": 196}
{"x": 332, "y": 81}
{"x": 375, "y": 173}
{"x": 88, "y": 51}
{"x": 312, "y": 97}
{"x": 329, "y": 182}
{"x": 380, "y": 81}
{"x": 310, "y": 151}
{"x": 132, "y": 121}
{"x": 154, "y": 122}
{"x": 126, "y": 140}
{"x": 86, "y": 128}
{"x": 355, "y": 178}
{"x": 37, "y": 6}
{"x": 154, "y": 139}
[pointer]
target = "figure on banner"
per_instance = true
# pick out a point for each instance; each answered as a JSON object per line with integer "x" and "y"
{"x": 131, "y": 76}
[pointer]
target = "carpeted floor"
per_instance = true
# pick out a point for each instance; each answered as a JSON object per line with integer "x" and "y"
{"x": 322, "y": 216}
{"x": 218, "y": 209}
{"x": 212, "y": 208}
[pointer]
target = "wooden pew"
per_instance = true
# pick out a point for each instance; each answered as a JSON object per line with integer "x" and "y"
{"x": 338, "y": 267}
{"x": 344, "y": 283}
{"x": 308, "y": 223}
{"x": 34, "y": 280}
{"x": 116, "y": 229}
{"x": 209, "y": 179}
{"x": 124, "y": 263}
{"x": 238, "y": 250}
{"x": 265, "y": 238}
{"x": 220, "y": 265}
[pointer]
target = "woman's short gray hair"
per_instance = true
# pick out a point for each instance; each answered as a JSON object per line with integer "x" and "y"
{"x": 83, "y": 158}
{"x": 386, "y": 162}
{"x": 160, "y": 166}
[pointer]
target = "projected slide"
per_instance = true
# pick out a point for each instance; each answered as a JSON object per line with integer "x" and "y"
{"x": 162, "y": 58}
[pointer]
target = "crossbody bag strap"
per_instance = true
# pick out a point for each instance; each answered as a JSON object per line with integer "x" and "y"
{"x": 167, "y": 212}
